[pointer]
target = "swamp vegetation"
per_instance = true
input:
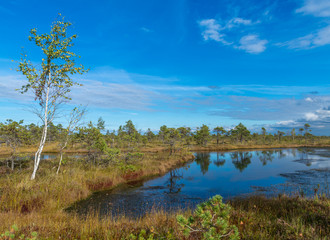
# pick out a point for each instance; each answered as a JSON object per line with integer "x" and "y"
{"x": 39, "y": 205}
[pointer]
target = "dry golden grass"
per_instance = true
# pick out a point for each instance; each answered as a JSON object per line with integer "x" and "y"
{"x": 39, "y": 205}
{"x": 61, "y": 225}
{"x": 76, "y": 180}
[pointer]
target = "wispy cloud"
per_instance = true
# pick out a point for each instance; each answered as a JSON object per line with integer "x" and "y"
{"x": 318, "y": 8}
{"x": 144, "y": 29}
{"x": 115, "y": 86}
{"x": 112, "y": 95}
{"x": 109, "y": 74}
{"x": 236, "y": 22}
{"x": 95, "y": 93}
{"x": 261, "y": 108}
{"x": 8, "y": 86}
{"x": 252, "y": 44}
{"x": 246, "y": 34}
{"x": 212, "y": 30}
{"x": 120, "y": 90}
{"x": 320, "y": 38}
{"x": 114, "y": 89}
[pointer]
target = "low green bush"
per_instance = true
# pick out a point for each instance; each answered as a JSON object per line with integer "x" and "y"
{"x": 13, "y": 233}
{"x": 209, "y": 221}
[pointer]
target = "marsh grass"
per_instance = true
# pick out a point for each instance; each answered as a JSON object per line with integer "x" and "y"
{"x": 39, "y": 205}
{"x": 282, "y": 217}
{"x": 76, "y": 181}
{"x": 256, "y": 218}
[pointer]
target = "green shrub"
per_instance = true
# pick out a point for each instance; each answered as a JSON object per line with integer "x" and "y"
{"x": 151, "y": 235}
{"x": 209, "y": 221}
{"x": 142, "y": 236}
{"x": 13, "y": 233}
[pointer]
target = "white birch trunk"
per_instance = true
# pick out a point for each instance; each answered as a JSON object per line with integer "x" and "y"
{"x": 44, "y": 134}
{"x": 61, "y": 157}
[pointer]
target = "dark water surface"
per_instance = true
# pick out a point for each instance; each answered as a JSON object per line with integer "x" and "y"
{"x": 21, "y": 160}
{"x": 229, "y": 174}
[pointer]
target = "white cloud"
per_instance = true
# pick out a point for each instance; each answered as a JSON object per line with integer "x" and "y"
{"x": 118, "y": 89}
{"x": 212, "y": 31}
{"x": 115, "y": 89}
{"x": 127, "y": 95}
{"x": 319, "y": 8}
{"x": 241, "y": 21}
{"x": 319, "y": 121}
{"x": 252, "y": 44}
{"x": 235, "y": 22}
{"x": 311, "y": 117}
{"x": 273, "y": 109}
{"x": 287, "y": 122}
{"x": 322, "y": 37}
{"x": 317, "y": 39}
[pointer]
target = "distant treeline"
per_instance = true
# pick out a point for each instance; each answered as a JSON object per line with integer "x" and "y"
{"x": 95, "y": 137}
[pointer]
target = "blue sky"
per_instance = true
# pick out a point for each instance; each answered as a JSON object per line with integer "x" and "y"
{"x": 183, "y": 63}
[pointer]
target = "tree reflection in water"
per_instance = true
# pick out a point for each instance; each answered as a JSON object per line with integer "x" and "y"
{"x": 294, "y": 152}
{"x": 304, "y": 156}
{"x": 266, "y": 156}
{"x": 220, "y": 161}
{"x": 281, "y": 153}
{"x": 241, "y": 160}
{"x": 203, "y": 159}
{"x": 172, "y": 183}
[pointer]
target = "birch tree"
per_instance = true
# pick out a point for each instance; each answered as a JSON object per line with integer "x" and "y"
{"x": 73, "y": 123}
{"x": 50, "y": 81}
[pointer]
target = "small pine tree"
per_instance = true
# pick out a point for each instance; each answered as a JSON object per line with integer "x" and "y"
{"x": 209, "y": 221}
